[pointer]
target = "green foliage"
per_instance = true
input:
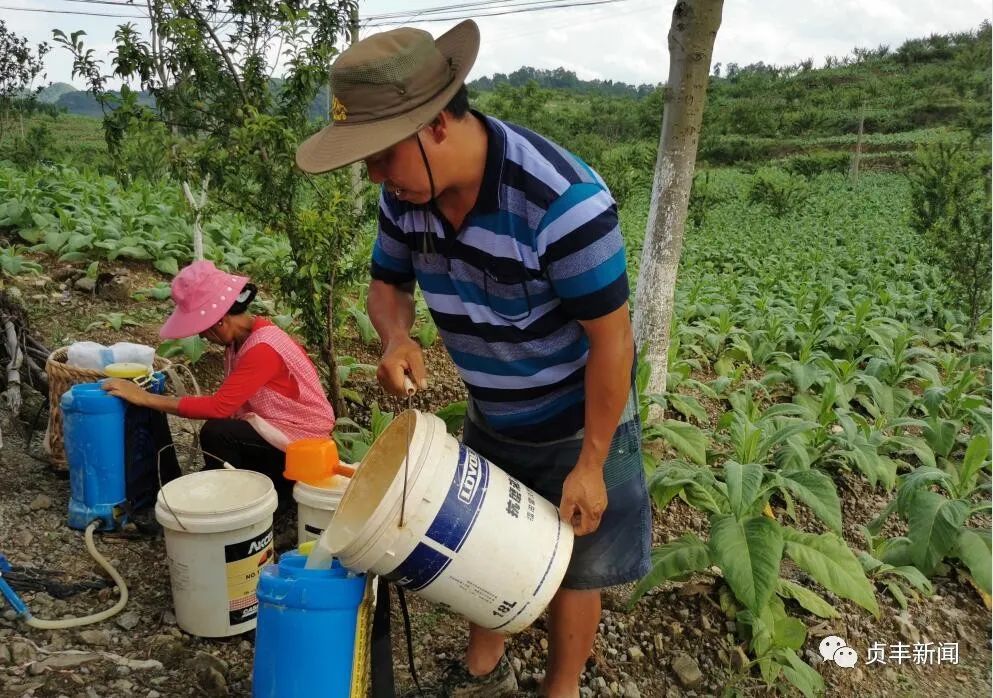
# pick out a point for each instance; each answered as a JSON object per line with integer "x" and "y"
{"x": 20, "y": 66}
{"x": 950, "y": 210}
{"x": 14, "y": 263}
{"x": 113, "y": 321}
{"x": 79, "y": 216}
{"x": 190, "y": 348}
{"x": 367, "y": 333}
{"x": 453, "y": 414}
{"x": 816, "y": 163}
{"x": 354, "y": 440}
{"x": 936, "y": 504}
{"x": 780, "y": 191}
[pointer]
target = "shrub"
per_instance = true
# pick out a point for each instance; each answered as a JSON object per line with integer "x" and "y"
{"x": 781, "y": 191}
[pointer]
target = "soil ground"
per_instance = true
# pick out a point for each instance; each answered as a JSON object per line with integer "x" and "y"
{"x": 636, "y": 650}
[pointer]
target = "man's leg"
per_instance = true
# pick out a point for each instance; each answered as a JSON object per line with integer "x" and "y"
{"x": 573, "y": 618}
{"x": 484, "y": 651}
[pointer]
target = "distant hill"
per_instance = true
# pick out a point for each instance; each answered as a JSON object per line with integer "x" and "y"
{"x": 52, "y": 93}
{"x": 562, "y": 79}
{"x": 85, "y": 104}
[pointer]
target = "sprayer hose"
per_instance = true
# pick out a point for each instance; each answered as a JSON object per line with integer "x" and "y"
{"x": 96, "y": 617}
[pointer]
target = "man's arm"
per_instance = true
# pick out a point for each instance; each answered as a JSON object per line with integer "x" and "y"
{"x": 608, "y": 384}
{"x": 391, "y": 311}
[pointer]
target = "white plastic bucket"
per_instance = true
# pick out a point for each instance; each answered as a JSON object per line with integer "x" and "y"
{"x": 316, "y": 505}
{"x": 474, "y": 539}
{"x": 218, "y": 536}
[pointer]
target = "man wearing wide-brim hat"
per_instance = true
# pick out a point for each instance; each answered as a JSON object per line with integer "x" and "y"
{"x": 515, "y": 244}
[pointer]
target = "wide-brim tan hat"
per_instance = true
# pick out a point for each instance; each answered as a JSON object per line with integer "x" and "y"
{"x": 387, "y": 87}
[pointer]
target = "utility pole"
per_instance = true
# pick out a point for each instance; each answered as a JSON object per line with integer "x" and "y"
{"x": 858, "y": 146}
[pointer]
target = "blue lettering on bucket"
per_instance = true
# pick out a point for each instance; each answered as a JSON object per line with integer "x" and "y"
{"x": 463, "y": 502}
{"x": 420, "y": 568}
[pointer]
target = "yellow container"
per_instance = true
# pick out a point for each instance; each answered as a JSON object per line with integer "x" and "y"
{"x": 127, "y": 370}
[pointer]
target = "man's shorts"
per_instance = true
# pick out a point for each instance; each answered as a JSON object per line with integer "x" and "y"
{"x": 619, "y": 551}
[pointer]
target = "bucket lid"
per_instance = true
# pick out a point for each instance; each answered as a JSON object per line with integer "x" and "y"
{"x": 215, "y": 500}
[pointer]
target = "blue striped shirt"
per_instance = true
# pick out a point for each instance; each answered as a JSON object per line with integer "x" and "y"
{"x": 540, "y": 250}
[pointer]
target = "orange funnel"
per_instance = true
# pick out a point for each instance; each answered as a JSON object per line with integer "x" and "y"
{"x": 314, "y": 460}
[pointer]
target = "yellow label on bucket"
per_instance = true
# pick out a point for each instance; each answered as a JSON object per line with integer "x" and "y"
{"x": 243, "y": 565}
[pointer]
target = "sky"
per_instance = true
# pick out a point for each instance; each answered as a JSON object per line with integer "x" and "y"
{"x": 624, "y": 40}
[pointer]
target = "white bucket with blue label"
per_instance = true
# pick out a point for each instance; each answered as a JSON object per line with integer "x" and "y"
{"x": 473, "y": 539}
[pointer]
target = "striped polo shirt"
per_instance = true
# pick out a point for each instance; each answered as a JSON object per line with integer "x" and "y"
{"x": 540, "y": 250}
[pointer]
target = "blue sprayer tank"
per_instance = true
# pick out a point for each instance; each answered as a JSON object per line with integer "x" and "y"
{"x": 93, "y": 425}
{"x": 305, "y": 636}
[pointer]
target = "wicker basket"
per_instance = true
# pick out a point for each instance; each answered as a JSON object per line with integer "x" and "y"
{"x": 61, "y": 377}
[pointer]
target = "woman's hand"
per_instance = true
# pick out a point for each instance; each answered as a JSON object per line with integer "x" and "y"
{"x": 126, "y": 390}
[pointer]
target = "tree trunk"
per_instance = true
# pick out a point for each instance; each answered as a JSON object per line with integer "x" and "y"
{"x": 334, "y": 387}
{"x": 356, "y": 168}
{"x": 691, "y": 45}
{"x": 197, "y": 204}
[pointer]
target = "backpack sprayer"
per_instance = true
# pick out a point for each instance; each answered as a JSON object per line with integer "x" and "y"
{"x": 113, "y": 450}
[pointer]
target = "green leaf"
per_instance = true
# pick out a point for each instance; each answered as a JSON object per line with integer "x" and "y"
{"x": 912, "y": 576}
{"x": 817, "y": 491}
{"x": 829, "y": 561}
{"x": 131, "y": 252}
{"x": 973, "y": 549}
{"x": 167, "y": 265}
{"x": 673, "y": 560}
{"x": 789, "y": 633}
{"x": 748, "y": 554}
{"x": 940, "y": 435}
{"x": 896, "y": 592}
{"x": 933, "y": 526}
{"x": 918, "y": 446}
{"x": 191, "y": 347}
{"x": 800, "y": 674}
{"x": 920, "y": 478}
{"x": 806, "y": 598}
{"x": 453, "y": 414}
{"x": 686, "y": 438}
{"x": 976, "y": 456}
{"x": 689, "y": 407}
{"x": 743, "y": 484}
{"x": 366, "y": 330}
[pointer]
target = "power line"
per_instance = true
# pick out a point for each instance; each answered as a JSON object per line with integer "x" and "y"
{"x": 561, "y": 5}
{"x": 480, "y": 4}
{"x": 515, "y": 34}
{"x": 71, "y": 12}
{"x": 108, "y": 2}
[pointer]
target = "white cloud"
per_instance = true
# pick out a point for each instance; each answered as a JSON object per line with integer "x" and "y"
{"x": 626, "y": 40}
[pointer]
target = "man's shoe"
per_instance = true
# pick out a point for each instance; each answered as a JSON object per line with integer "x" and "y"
{"x": 457, "y": 682}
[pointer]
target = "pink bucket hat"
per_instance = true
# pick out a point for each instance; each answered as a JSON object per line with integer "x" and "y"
{"x": 203, "y": 295}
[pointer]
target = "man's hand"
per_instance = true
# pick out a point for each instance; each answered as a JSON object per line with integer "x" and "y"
{"x": 125, "y": 389}
{"x": 584, "y": 498}
{"x": 402, "y": 357}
